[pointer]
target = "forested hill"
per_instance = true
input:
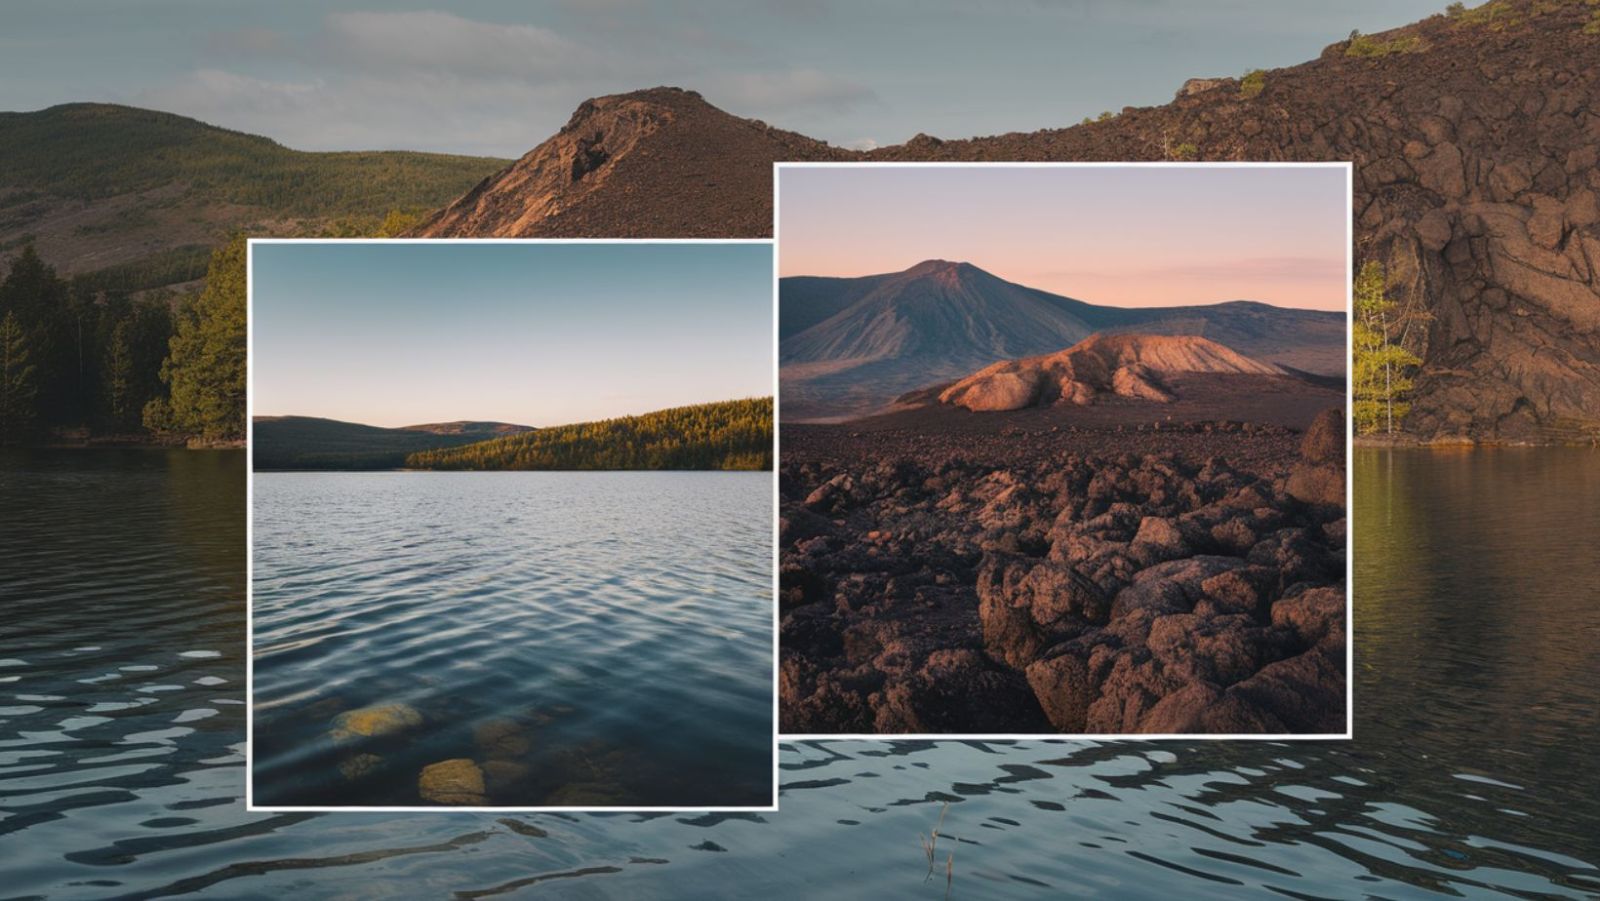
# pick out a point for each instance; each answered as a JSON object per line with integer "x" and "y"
{"x": 308, "y": 442}
{"x": 135, "y": 198}
{"x": 734, "y": 434}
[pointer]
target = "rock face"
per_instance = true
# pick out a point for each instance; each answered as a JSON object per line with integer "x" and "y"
{"x": 371, "y": 722}
{"x": 458, "y": 781}
{"x": 1097, "y": 367}
{"x": 1476, "y": 182}
{"x": 655, "y": 163}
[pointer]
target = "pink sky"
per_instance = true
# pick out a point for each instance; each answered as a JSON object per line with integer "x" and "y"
{"x": 1121, "y": 236}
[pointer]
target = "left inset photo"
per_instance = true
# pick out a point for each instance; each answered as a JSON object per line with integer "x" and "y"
{"x": 511, "y": 525}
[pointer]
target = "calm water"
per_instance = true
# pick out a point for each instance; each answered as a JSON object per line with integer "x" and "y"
{"x": 1473, "y": 773}
{"x": 586, "y": 638}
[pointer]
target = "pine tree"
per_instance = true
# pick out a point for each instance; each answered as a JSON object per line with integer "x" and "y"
{"x": 1381, "y": 369}
{"x": 39, "y": 299}
{"x": 119, "y": 374}
{"x": 19, "y": 386}
{"x": 205, "y": 368}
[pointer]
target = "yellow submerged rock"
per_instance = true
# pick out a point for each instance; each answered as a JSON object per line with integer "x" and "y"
{"x": 457, "y": 781}
{"x": 380, "y": 719}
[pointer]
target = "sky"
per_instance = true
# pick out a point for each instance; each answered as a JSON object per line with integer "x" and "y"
{"x": 1126, "y": 235}
{"x": 534, "y": 334}
{"x": 498, "y": 76}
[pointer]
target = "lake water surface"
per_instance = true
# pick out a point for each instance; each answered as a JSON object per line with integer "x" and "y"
{"x": 1472, "y": 773}
{"x": 584, "y": 638}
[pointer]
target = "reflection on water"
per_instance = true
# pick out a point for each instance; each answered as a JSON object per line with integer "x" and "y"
{"x": 560, "y": 638}
{"x": 1472, "y": 773}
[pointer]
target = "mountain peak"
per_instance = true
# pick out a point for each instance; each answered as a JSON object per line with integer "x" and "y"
{"x": 706, "y": 173}
{"x": 940, "y": 267}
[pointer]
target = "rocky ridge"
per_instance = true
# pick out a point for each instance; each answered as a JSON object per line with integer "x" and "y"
{"x": 655, "y": 163}
{"x": 1474, "y": 138}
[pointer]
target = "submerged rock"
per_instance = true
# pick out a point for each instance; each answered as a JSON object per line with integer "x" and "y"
{"x": 360, "y": 766}
{"x": 502, "y": 739}
{"x": 504, "y": 775}
{"x": 457, "y": 781}
{"x": 369, "y": 722}
{"x": 587, "y": 794}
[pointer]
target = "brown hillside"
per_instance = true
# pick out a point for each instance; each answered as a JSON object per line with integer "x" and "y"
{"x": 1476, "y": 153}
{"x": 1096, "y": 367}
{"x": 655, "y": 163}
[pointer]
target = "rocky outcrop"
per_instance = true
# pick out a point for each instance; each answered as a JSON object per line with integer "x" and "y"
{"x": 1100, "y": 366}
{"x": 654, "y": 163}
{"x": 1476, "y": 182}
{"x": 1319, "y": 477}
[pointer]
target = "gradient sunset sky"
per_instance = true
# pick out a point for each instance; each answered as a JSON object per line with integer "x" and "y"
{"x": 1126, "y": 236}
{"x": 536, "y": 334}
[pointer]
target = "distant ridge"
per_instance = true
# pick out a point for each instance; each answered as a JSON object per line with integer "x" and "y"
{"x": 849, "y": 346}
{"x": 136, "y": 198}
{"x": 469, "y": 427}
{"x": 731, "y": 434}
{"x": 309, "y": 442}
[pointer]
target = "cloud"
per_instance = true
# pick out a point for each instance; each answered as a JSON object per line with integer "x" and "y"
{"x": 437, "y": 112}
{"x": 248, "y": 42}
{"x": 787, "y": 90}
{"x": 444, "y": 42}
{"x": 434, "y": 80}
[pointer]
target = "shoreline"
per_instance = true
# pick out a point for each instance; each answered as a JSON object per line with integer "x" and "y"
{"x": 124, "y": 442}
{"x": 1456, "y": 443}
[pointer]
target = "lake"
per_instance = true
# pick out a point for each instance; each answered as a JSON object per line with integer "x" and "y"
{"x": 582, "y": 638}
{"x": 1472, "y": 772}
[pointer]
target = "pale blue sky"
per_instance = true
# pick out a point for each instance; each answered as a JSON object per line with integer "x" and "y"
{"x": 536, "y": 334}
{"x": 498, "y": 76}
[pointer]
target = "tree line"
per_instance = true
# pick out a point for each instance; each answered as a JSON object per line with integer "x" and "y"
{"x": 735, "y": 434}
{"x": 78, "y": 357}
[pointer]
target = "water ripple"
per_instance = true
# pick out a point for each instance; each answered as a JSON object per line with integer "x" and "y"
{"x": 1471, "y": 774}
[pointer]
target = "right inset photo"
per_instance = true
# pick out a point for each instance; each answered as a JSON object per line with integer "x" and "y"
{"x": 1063, "y": 449}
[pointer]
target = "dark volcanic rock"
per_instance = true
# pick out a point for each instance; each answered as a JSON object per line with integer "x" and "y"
{"x": 1324, "y": 440}
{"x": 1057, "y": 581}
{"x": 958, "y": 691}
